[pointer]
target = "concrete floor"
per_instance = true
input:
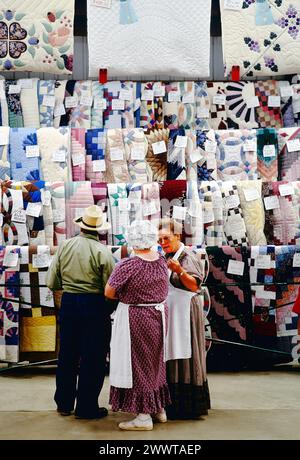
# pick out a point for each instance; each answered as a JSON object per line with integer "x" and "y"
{"x": 248, "y": 405}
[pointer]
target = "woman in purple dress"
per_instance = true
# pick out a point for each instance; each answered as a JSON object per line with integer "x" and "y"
{"x": 137, "y": 360}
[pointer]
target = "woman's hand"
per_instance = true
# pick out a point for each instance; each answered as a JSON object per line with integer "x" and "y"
{"x": 175, "y": 266}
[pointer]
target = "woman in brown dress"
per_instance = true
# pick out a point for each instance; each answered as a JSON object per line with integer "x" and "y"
{"x": 186, "y": 354}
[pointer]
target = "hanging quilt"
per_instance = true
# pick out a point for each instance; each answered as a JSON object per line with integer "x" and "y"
{"x": 147, "y": 111}
{"x": 116, "y": 157}
{"x": 218, "y": 115}
{"x": 79, "y": 196}
{"x": 265, "y": 37}
{"x": 234, "y": 225}
{"x": 95, "y": 142}
{"x": 286, "y": 108}
{"x": 97, "y": 110}
{"x": 176, "y": 156}
{"x": 157, "y": 162}
{"x": 15, "y": 116}
{"x": 13, "y": 232}
{"x": 37, "y": 37}
{"x": 267, "y": 157}
{"x": 151, "y": 202}
{"x": 193, "y": 223}
{"x": 296, "y": 206}
{"x": 296, "y": 103}
{"x": 78, "y": 154}
{"x": 159, "y": 91}
{"x": 80, "y": 116}
{"x": 3, "y": 104}
{"x": 289, "y": 156}
{"x": 202, "y": 101}
{"x": 207, "y": 165}
{"x": 250, "y": 195}
{"x": 119, "y": 113}
{"x": 171, "y": 105}
{"x": 4, "y": 157}
{"x": 239, "y": 115}
{"x": 267, "y": 116}
{"x": 59, "y": 109}
{"x": 23, "y": 167}
{"x": 191, "y": 166}
{"x": 136, "y": 147}
{"x": 116, "y": 36}
{"x": 236, "y": 154}
{"x": 46, "y": 90}
{"x": 9, "y": 310}
{"x": 30, "y": 103}
{"x": 213, "y": 213}
{"x": 135, "y": 208}
{"x": 69, "y": 93}
{"x": 99, "y": 190}
{"x": 186, "y": 108}
{"x": 54, "y": 147}
{"x": 58, "y": 209}
{"x": 118, "y": 214}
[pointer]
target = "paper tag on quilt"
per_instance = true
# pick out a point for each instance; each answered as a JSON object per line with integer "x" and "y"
{"x": 296, "y": 260}
{"x": 48, "y": 101}
{"x": 263, "y": 261}
{"x": 293, "y": 145}
{"x": 147, "y": 95}
{"x": 286, "y": 189}
{"x": 116, "y": 154}
{"x": 174, "y": 96}
{"x": 150, "y": 208}
{"x": 262, "y": 294}
{"x": 188, "y": 98}
{"x": 286, "y": 91}
{"x": 41, "y": 260}
{"x": 11, "y": 259}
{"x": 100, "y": 103}
{"x": 59, "y": 156}
{"x": 210, "y": 147}
{"x": 179, "y": 212}
{"x": 251, "y": 194}
{"x": 235, "y": 267}
{"x": 118, "y": 104}
{"x": 137, "y": 152}
{"x": 26, "y": 83}
{"x": 19, "y": 216}
{"x": 253, "y": 102}
{"x": 211, "y": 163}
{"x": 86, "y": 100}
{"x": 32, "y": 151}
{"x": 208, "y": 216}
{"x": 78, "y": 159}
{"x": 101, "y": 3}
{"x": 271, "y": 202}
{"x": 71, "y": 102}
{"x": 34, "y": 209}
{"x": 59, "y": 110}
{"x": 99, "y": 166}
{"x": 250, "y": 145}
{"x": 274, "y": 101}
{"x": 202, "y": 112}
{"x": 159, "y": 147}
{"x": 58, "y": 215}
{"x": 219, "y": 99}
{"x": 159, "y": 90}
{"x": 235, "y": 5}
{"x": 46, "y": 197}
{"x": 181, "y": 142}
{"x": 233, "y": 201}
{"x": 269, "y": 151}
{"x": 125, "y": 95}
{"x": 14, "y": 89}
{"x": 4, "y": 137}
{"x": 195, "y": 209}
{"x": 196, "y": 156}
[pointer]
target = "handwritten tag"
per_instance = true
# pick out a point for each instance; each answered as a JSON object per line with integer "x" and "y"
{"x": 46, "y": 197}
{"x": 293, "y": 145}
{"x": 179, "y": 212}
{"x": 86, "y": 100}
{"x": 147, "y": 95}
{"x": 137, "y": 153}
{"x": 101, "y": 3}
{"x": 11, "y": 259}
{"x": 59, "y": 156}
{"x": 32, "y": 151}
{"x": 100, "y": 103}
{"x": 253, "y": 102}
{"x": 41, "y": 260}
{"x": 118, "y": 104}
{"x": 159, "y": 90}
{"x": 71, "y": 102}
{"x": 296, "y": 260}
{"x": 125, "y": 95}
{"x": 26, "y": 83}
{"x": 59, "y": 110}
{"x": 99, "y": 166}
{"x": 149, "y": 208}
{"x": 195, "y": 209}
{"x": 19, "y": 216}
{"x": 174, "y": 96}
{"x": 274, "y": 101}
{"x": 58, "y": 215}
{"x": 208, "y": 215}
{"x": 286, "y": 189}
{"x": 219, "y": 99}
{"x": 34, "y": 209}
{"x": 250, "y": 145}
{"x": 269, "y": 151}
{"x": 235, "y": 267}
{"x": 262, "y": 294}
{"x": 251, "y": 194}
{"x": 263, "y": 261}
{"x": 210, "y": 146}
{"x": 202, "y": 112}
{"x": 188, "y": 98}
{"x": 235, "y": 5}
{"x": 159, "y": 147}
{"x": 116, "y": 154}
{"x": 233, "y": 201}
{"x": 48, "y": 101}
{"x": 14, "y": 89}
{"x": 181, "y": 142}
{"x": 4, "y": 136}
{"x": 286, "y": 91}
{"x": 271, "y": 202}
{"x": 78, "y": 159}
{"x": 196, "y": 156}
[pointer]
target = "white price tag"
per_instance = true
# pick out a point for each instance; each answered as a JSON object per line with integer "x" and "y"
{"x": 263, "y": 261}
{"x": 293, "y": 145}
{"x": 71, "y": 102}
{"x": 58, "y": 215}
{"x": 174, "y": 96}
{"x": 101, "y": 3}
{"x": 159, "y": 147}
{"x": 159, "y": 90}
{"x": 219, "y": 99}
{"x": 188, "y": 98}
{"x": 59, "y": 110}
{"x": 78, "y": 159}
{"x": 179, "y": 212}
{"x": 296, "y": 260}
{"x": 251, "y": 194}
{"x": 19, "y": 216}
{"x": 211, "y": 163}
{"x": 11, "y": 259}
{"x": 269, "y": 151}
{"x": 125, "y": 95}
{"x": 196, "y": 156}
{"x": 4, "y": 136}
{"x": 118, "y": 104}
{"x": 149, "y": 208}
{"x": 181, "y": 142}
{"x": 195, "y": 209}
{"x": 286, "y": 91}
{"x": 202, "y": 112}
{"x": 271, "y": 202}
{"x": 286, "y": 189}
{"x": 235, "y": 5}
{"x": 41, "y": 260}
{"x": 138, "y": 152}
{"x": 253, "y": 102}
{"x": 262, "y": 294}
{"x": 48, "y": 101}
{"x": 233, "y": 201}
{"x": 86, "y": 100}
{"x": 46, "y": 197}
{"x": 100, "y": 103}
{"x": 116, "y": 154}
{"x": 210, "y": 146}
{"x": 147, "y": 95}
{"x": 235, "y": 267}
{"x": 32, "y": 151}
{"x": 59, "y": 156}
{"x": 208, "y": 215}
{"x": 123, "y": 204}
{"x": 137, "y": 104}
{"x": 99, "y": 166}
{"x": 34, "y": 209}
{"x": 26, "y": 83}
{"x": 250, "y": 145}
{"x": 14, "y": 89}
{"x": 274, "y": 101}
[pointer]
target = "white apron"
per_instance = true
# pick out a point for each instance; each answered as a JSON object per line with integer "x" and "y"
{"x": 120, "y": 375}
{"x": 179, "y": 343}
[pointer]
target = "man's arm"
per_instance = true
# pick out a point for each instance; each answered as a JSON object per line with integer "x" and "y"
{"x": 53, "y": 277}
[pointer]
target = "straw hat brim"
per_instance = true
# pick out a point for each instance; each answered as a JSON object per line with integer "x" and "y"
{"x": 102, "y": 228}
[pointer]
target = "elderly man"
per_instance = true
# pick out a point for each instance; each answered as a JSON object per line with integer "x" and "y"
{"x": 81, "y": 268}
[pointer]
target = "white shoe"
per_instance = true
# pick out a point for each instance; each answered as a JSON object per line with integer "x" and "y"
{"x": 160, "y": 417}
{"x": 137, "y": 425}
